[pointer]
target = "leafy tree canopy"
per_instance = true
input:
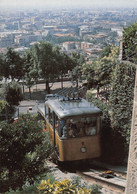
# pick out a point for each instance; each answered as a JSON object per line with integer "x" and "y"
{"x": 99, "y": 73}
{"x": 76, "y": 73}
{"x": 12, "y": 93}
{"x": 130, "y": 43}
{"x": 13, "y": 65}
{"x": 24, "y": 148}
{"x": 121, "y": 98}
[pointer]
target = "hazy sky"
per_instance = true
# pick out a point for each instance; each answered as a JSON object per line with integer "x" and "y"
{"x": 67, "y": 3}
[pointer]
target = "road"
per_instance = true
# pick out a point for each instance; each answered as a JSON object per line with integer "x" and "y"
{"x": 38, "y": 96}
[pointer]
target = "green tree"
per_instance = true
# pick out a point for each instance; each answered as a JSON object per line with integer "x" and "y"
{"x": 13, "y": 65}
{"x": 12, "y": 93}
{"x": 1, "y": 66}
{"x": 43, "y": 56}
{"x": 130, "y": 43}
{"x": 100, "y": 74}
{"x": 76, "y": 73}
{"x": 24, "y": 149}
{"x": 106, "y": 51}
{"x": 121, "y": 100}
{"x": 65, "y": 65}
{"x": 30, "y": 70}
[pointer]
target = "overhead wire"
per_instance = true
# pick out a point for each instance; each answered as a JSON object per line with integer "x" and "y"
{"x": 105, "y": 69}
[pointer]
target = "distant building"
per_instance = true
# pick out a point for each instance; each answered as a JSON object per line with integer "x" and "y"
{"x": 69, "y": 45}
{"x": 33, "y": 38}
{"x": 6, "y": 41}
{"x": 118, "y": 30}
{"x": 62, "y": 35}
{"x": 17, "y": 25}
{"x": 22, "y": 40}
{"x": 21, "y": 49}
{"x": 86, "y": 45}
{"x": 45, "y": 33}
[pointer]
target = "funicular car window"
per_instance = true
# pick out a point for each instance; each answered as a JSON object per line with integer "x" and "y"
{"x": 91, "y": 126}
{"x": 46, "y": 112}
{"x": 57, "y": 126}
{"x": 81, "y": 126}
{"x": 50, "y": 116}
{"x": 77, "y": 127}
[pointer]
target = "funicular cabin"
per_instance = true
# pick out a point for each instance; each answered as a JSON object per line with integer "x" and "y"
{"x": 74, "y": 127}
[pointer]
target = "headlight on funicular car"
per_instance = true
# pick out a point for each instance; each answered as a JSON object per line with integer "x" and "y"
{"x": 83, "y": 149}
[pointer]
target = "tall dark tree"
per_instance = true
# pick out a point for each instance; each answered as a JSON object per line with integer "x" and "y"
{"x": 76, "y": 72}
{"x": 30, "y": 71}
{"x": 1, "y": 66}
{"x": 12, "y": 93}
{"x": 65, "y": 65}
{"x": 13, "y": 65}
{"x": 43, "y": 56}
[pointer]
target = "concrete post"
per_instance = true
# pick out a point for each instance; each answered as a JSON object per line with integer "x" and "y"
{"x": 131, "y": 186}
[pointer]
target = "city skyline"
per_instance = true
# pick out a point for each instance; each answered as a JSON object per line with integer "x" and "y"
{"x": 43, "y": 4}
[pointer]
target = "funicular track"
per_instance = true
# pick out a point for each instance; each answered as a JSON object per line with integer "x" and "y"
{"x": 114, "y": 183}
{"x": 114, "y": 180}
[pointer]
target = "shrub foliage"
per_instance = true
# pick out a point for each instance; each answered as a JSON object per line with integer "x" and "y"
{"x": 23, "y": 149}
{"x": 66, "y": 186}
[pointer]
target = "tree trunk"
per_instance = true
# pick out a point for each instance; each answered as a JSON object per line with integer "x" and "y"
{"x": 23, "y": 89}
{"x": 6, "y": 112}
{"x": 30, "y": 92}
{"x": 77, "y": 83}
{"x": 47, "y": 87}
{"x": 61, "y": 81}
{"x": 97, "y": 91}
{"x": 36, "y": 87}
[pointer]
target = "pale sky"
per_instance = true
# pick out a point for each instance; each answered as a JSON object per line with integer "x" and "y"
{"x": 68, "y": 3}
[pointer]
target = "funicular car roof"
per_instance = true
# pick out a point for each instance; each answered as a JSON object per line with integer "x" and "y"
{"x": 68, "y": 108}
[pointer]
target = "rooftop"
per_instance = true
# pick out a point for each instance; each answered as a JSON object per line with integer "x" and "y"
{"x": 72, "y": 107}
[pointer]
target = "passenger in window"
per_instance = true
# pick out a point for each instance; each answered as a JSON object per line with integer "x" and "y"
{"x": 81, "y": 132}
{"x": 64, "y": 131}
{"x": 57, "y": 124}
{"x": 91, "y": 130}
{"x": 72, "y": 125}
{"x": 71, "y": 133}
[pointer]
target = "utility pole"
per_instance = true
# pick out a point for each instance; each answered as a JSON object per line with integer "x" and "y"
{"x": 131, "y": 185}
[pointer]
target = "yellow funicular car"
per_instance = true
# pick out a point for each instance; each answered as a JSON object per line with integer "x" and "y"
{"x": 74, "y": 126}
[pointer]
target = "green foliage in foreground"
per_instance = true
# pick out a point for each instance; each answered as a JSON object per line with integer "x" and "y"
{"x": 50, "y": 185}
{"x": 28, "y": 188}
{"x": 6, "y": 109}
{"x": 67, "y": 186}
{"x": 24, "y": 148}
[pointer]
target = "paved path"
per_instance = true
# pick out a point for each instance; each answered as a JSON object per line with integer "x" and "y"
{"x": 24, "y": 106}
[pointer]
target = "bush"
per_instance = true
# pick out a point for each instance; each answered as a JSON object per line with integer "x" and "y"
{"x": 32, "y": 188}
{"x": 66, "y": 186}
{"x": 6, "y": 111}
{"x": 23, "y": 149}
{"x": 12, "y": 93}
